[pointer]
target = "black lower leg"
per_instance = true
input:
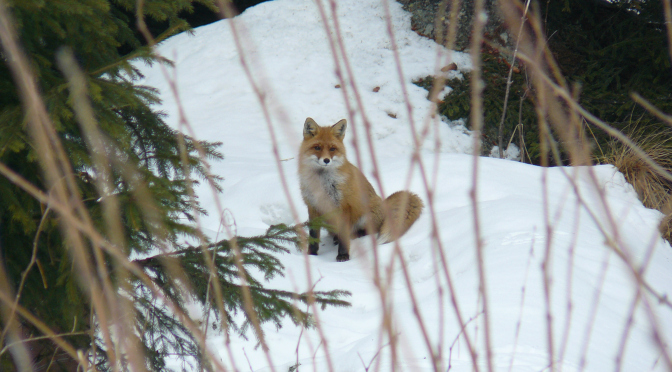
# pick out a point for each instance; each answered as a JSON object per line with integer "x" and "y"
{"x": 361, "y": 232}
{"x": 314, "y": 244}
{"x": 343, "y": 249}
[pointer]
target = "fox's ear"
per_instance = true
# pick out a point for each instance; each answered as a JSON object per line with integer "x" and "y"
{"x": 310, "y": 128}
{"x": 338, "y": 129}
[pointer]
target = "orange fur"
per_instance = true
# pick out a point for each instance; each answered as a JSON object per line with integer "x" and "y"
{"x": 335, "y": 189}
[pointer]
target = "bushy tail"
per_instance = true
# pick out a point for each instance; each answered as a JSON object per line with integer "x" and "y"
{"x": 401, "y": 210}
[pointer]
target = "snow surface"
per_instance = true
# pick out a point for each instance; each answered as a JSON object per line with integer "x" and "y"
{"x": 525, "y": 212}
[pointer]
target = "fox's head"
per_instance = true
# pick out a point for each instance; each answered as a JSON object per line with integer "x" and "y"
{"x": 323, "y": 146}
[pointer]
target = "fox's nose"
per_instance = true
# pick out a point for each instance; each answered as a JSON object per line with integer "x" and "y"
{"x": 326, "y": 161}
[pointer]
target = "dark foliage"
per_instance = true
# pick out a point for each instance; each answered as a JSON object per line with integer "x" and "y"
{"x": 607, "y": 50}
{"x": 198, "y": 15}
{"x": 164, "y": 334}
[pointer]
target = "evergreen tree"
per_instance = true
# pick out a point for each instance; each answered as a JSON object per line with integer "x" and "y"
{"x": 147, "y": 168}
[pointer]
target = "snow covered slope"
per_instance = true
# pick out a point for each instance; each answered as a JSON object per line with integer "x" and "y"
{"x": 529, "y": 217}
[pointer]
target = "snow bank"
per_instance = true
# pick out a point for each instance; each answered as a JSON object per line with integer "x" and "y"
{"x": 528, "y": 216}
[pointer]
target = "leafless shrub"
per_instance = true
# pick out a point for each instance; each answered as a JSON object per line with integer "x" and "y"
{"x": 644, "y": 159}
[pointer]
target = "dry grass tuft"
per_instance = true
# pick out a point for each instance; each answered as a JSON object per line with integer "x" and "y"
{"x": 652, "y": 188}
{"x": 666, "y": 227}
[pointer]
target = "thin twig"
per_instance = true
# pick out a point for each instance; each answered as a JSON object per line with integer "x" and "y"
{"x": 32, "y": 261}
{"x": 476, "y": 119}
{"x": 417, "y": 159}
{"x": 522, "y": 300}
{"x": 460, "y": 333}
{"x": 500, "y": 137}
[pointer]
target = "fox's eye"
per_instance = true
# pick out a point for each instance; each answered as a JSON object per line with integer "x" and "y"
{"x": 332, "y": 149}
{"x": 318, "y": 148}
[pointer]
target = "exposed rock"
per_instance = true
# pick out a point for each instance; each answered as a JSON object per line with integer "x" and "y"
{"x": 431, "y": 18}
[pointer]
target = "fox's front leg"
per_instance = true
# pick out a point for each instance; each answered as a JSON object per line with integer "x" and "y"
{"x": 343, "y": 240}
{"x": 314, "y": 242}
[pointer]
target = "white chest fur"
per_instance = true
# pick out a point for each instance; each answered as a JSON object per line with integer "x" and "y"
{"x": 321, "y": 188}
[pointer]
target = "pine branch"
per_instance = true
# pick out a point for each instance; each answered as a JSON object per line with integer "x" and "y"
{"x": 146, "y": 53}
{"x": 259, "y": 253}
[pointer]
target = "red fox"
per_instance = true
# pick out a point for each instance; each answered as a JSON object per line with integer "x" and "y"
{"x": 336, "y": 190}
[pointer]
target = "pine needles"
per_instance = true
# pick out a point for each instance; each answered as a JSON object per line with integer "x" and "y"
{"x": 166, "y": 335}
{"x": 80, "y": 139}
{"x": 258, "y": 255}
